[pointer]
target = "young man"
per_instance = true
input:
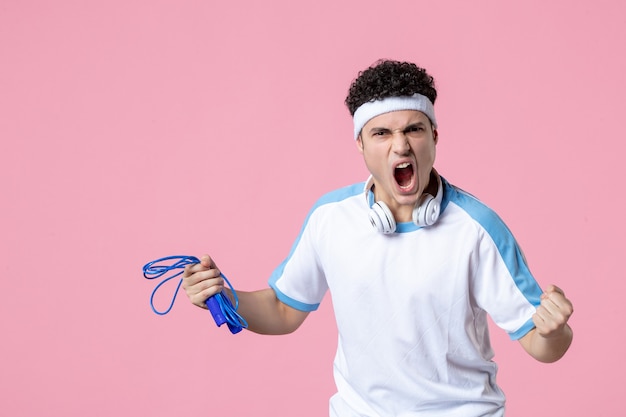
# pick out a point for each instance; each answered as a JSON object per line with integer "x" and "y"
{"x": 413, "y": 265}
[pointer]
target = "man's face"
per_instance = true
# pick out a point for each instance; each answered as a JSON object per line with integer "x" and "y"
{"x": 399, "y": 151}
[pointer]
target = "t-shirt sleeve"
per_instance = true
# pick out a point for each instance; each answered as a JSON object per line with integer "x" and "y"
{"x": 299, "y": 280}
{"x": 502, "y": 282}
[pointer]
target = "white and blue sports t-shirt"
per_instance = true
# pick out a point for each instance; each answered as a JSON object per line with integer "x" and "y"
{"x": 411, "y": 307}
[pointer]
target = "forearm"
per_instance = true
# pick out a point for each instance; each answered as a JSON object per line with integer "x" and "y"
{"x": 265, "y": 314}
{"x": 547, "y": 349}
{"x": 261, "y": 309}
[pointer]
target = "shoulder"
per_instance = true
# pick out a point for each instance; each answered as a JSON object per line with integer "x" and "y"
{"x": 471, "y": 205}
{"x": 339, "y": 197}
{"x": 345, "y": 199}
{"x": 341, "y": 194}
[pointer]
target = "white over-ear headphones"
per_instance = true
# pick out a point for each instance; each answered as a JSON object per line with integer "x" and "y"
{"x": 425, "y": 212}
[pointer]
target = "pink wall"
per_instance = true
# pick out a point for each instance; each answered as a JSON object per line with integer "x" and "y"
{"x": 137, "y": 129}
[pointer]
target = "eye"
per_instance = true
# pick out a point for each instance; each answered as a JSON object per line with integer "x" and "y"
{"x": 380, "y": 133}
{"x": 414, "y": 130}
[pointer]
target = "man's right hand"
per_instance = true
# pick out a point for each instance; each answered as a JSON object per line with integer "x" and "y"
{"x": 201, "y": 281}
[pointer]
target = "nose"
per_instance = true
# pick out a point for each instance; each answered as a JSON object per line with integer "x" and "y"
{"x": 400, "y": 142}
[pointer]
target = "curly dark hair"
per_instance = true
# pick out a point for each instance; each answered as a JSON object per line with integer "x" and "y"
{"x": 387, "y": 78}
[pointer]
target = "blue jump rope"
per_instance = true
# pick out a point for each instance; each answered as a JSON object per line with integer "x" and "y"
{"x": 219, "y": 304}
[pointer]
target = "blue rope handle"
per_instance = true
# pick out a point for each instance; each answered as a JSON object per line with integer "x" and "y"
{"x": 219, "y": 304}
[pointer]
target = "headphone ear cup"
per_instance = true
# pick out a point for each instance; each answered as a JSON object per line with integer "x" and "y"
{"x": 427, "y": 211}
{"x": 381, "y": 218}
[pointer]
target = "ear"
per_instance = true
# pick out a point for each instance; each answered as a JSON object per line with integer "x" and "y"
{"x": 359, "y": 143}
{"x": 436, "y": 136}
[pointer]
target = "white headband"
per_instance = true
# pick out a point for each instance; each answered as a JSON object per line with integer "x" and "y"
{"x": 371, "y": 109}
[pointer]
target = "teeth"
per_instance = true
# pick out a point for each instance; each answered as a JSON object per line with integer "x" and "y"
{"x": 403, "y": 165}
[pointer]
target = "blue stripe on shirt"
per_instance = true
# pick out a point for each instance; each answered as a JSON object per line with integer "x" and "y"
{"x": 510, "y": 251}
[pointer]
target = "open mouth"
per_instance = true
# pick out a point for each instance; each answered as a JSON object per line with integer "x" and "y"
{"x": 403, "y": 174}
